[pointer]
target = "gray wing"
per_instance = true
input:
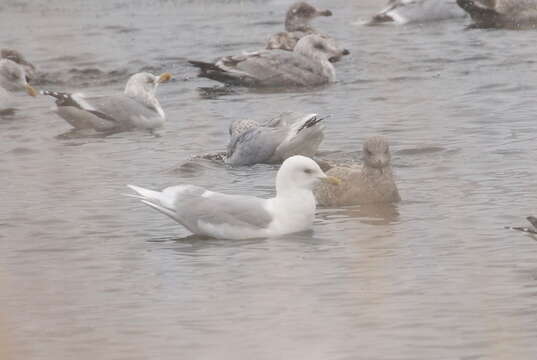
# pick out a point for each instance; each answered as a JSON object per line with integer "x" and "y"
{"x": 282, "y": 68}
{"x": 206, "y": 212}
{"x": 255, "y": 146}
{"x": 239, "y": 211}
{"x": 103, "y": 113}
{"x": 122, "y": 110}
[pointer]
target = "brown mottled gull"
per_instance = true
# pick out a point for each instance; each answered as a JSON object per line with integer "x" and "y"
{"x": 310, "y": 64}
{"x": 373, "y": 183}
{"x": 297, "y": 25}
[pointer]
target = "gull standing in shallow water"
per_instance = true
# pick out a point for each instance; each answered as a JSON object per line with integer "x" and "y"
{"x": 136, "y": 108}
{"x": 407, "y": 11}
{"x": 12, "y": 78}
{"x": 274, "y": 141}
{"x": 297, "y": 25}
{"x": 373, "y": 183}
{"x": 218, "y": 215}
{"x": 310, "y": 64}
{"x": 508, "y": 14}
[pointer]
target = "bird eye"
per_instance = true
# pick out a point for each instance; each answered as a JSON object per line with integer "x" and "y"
{"x": 308, "y": 171}
{"x": 319, "y": 46}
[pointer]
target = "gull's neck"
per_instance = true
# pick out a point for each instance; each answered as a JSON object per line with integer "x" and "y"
{"x": 373, "y": 172}
{"x": 145, "y": 97}
{"x": 295, "y": 202}
{"x": 328, "y": 69}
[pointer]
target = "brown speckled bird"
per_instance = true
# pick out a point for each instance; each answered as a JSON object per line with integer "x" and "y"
{"x": 373, "y": 183}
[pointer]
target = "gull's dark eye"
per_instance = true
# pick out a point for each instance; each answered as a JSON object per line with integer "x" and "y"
{"x": 319, "y": 46}
{"x": 308, "y": 171}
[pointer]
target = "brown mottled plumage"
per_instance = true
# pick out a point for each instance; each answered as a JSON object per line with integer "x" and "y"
{"x": 297, "y": 25}
{"x": 373, "y": 183}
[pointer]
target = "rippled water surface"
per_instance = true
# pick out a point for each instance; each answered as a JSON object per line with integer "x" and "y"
{"x": 86, "y": 273}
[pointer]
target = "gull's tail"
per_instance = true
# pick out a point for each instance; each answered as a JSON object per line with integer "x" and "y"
{"x": 56, "y": 94}
{"x": 305, "y": 136}
{"x": 159, "y": 200}
{"x": 531, "y": 230}
{"x": 309, "y": 122}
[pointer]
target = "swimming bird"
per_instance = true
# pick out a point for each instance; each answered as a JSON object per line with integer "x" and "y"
{"x": 373, "y": 183}
{"x": 310, "y": 64}
{"x": 137, "y": 107}
{"x": 12, "y": 79}
{"x": 275, "y": 140}
{"x": 17, "y": 57}
{"x": 297, "y": 25}
{"x": 508, "y": 14}
{"x": 408, "y": 11}
{"x": 218, "y": 215}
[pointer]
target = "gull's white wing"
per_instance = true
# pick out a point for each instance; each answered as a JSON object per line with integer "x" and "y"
{"x": 210, "y": 213}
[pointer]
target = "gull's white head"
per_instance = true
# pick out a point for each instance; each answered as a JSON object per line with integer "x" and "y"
{"x": 376, "y": 152}
{"x": 143, "y": 86}
{"x": 13, "y": 77}
{"x": 300, "y": 173}
{"x": 300, "y": 14}
{"x": 17, "y": 57}
{"x": 145, "y": 83}
{"x": 321, "y": 48}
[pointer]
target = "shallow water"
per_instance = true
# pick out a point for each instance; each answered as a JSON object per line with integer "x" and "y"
{"x": 86, "y": 273}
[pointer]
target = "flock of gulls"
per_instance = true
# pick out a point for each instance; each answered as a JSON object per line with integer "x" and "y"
{"x": 300, "y": 56}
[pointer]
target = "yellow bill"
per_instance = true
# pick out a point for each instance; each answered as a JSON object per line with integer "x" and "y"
{"x": 165, "y": 77}
{"x": 30, "y": 90}
{"x": 332, "y": 180}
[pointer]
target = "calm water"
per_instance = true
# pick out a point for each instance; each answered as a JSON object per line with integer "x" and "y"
{"x": 86, "y": 273}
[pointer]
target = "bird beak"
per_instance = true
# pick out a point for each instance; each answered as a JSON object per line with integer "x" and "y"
{"x": 332, "y": 180}
{"x": 30, "y": 90}
{"x": 164, "y": 77}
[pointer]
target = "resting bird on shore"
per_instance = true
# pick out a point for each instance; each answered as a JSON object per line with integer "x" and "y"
{"x": 373, "y": 183}
{"x": 297, "y": 25}
{"x": 309, "y": 64}
{"x": 136, "y": 108}
{"x": 218, "y": 215}
{"x": 508, "y": 14}
{"x": 275, "y": 140}
{"x": 408, "y": 11}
